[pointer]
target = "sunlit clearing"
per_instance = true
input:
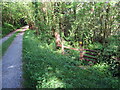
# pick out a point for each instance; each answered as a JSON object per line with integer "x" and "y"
{"x": 52, "y": 82}
{"x": 101, "y": 67}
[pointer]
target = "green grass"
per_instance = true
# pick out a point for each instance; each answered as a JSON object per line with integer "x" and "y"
{"x": 7, "y": 43}
{"x": 45, "y": 68}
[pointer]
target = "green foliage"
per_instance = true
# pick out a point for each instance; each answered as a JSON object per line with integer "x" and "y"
{"x": 7, "y": 25}
{"x": 74, "y": 21}
{"x": 0, "y": 32}
{"x": 7, "y": 28}
{"x": 12, "y": 13}
{"x": 109, "y": 53}
{"x": 44, "y": 68}
{"x": 95, "y": 45}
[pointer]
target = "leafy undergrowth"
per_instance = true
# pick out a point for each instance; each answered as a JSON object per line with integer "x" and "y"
{"x": 109, "y": 53}
{"x": 44, "y": 68}
{"x": 7, "y": 43}
{"x": 7, "y": 28}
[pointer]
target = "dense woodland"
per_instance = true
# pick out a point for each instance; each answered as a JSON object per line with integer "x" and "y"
{"x": 95, "y": 24}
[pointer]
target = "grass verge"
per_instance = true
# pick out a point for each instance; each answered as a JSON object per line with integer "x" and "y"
{"x": 44, "y": 68}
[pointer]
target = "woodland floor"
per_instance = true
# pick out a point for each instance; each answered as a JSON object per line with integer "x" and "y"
{"x": 12, "y": 62}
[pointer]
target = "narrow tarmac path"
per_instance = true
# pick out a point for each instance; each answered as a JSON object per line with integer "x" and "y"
{"x": 12, "y": 64}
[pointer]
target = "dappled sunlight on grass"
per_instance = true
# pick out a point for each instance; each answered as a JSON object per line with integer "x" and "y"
{"x": 52, "y": 81}
{"x": 45, "y": 68}
{"x": 101, "y": 67}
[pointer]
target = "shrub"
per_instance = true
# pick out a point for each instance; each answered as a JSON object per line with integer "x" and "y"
{"x": 109, "y": 53}
{"x": 7, "y": 28}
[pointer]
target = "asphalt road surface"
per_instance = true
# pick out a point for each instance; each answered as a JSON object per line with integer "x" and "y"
{"x": 12, "y": 64}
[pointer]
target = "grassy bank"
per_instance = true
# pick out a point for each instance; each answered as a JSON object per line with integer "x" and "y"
{"x": 44, "y": 68}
